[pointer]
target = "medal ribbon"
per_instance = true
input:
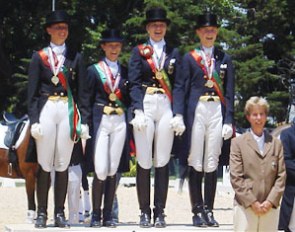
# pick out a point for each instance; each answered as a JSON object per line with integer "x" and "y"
{"x": 103, "y": 77}
{"x": 159, "y": 62}
{"x": 112, "y": 82}
{"x": 74, "y": 114}
{"x": 55, "y": 68}
{"x": 164, "y": 82}
{"x": 217, "y": 84}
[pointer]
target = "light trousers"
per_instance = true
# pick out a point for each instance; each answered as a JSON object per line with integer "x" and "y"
{"x": 206, "y": 139}
{"x": 54, "y": 148}
{"x": 157, "y": 109}
{"x": 110, "y": 140}
{"x": 247, "y": 220}
{"x": 74, "y": 186}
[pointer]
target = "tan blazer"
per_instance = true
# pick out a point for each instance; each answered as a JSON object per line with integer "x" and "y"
{"x": 255, "y": 177}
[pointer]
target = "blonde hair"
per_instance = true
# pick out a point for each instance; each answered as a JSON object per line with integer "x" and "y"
{"x": 254, "y": 101}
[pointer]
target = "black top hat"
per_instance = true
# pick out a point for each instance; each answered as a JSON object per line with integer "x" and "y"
{"x": 156, "y": 14}
{"x": 207, "y": 20}
{"x": 58, "y": 16}
{"x": 111, "y": 35}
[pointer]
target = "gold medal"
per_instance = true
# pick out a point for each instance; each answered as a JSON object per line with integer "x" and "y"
{"x": 112, "y": 97}
{"x": 159, "y": 75}
{"x": 54, "y": 80}
{"x": 209, "y": 83}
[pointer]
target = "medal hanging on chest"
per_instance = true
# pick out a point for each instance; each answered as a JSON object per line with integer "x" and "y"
{"x": 159, "y": 75}
{"x": 112, "y": 97}
{"x": 209, "y": 83}
{"x": 54, "y": 80}
{"x": 209, "y": 65}
{"x": 112, "y": 81}
{"x": 159, "y": 64}
{"x": 55, "y": 66}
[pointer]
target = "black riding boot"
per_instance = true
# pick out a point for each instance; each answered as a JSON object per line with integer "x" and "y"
{"x": 210, "y": 190}
{"x": 97, "y": 192}
{"x": 43, "y": 184}
{"x": 195, "y": 190}
{"x": 60, "y": 192}
{"x": 109, "y": 193}
{"x": 160, "y": 195}
{"x": 143, "y": 187}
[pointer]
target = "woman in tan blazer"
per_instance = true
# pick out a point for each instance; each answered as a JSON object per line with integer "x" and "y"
{"x": 257, "y": 172}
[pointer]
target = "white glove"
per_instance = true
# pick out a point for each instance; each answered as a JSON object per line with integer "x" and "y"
{"x": 227, "y": 131}
{"x": 177, "y": 124}
{"x": 139, "y": 122}
{"x": 85, "y": 132}
{"x": 36, "y": 131}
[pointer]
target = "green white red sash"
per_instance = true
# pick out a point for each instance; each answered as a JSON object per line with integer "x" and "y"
{"x": 73, "y": 111}
{"x": 217, "y": 83}
{"x": 103, "y": 77}
{"x": 164, "y": 82}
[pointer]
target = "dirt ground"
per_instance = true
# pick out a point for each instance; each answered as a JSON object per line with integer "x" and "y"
{"x": 13, "y": 205}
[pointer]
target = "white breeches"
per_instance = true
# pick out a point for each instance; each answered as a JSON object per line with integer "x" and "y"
{"x": 74, "y": 185}
{"x": 110, "y": 139}
{"x": 206, "y": 139}
{"x": 157, "y": 108}
{"x": 54, "y": 148}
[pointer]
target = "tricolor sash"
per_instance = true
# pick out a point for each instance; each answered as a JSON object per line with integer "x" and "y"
{"x": 164, "y": 82}
{"x": 102, "y": 75}
{"x": 74, "y": 114}
{"x": 217, "y": 83}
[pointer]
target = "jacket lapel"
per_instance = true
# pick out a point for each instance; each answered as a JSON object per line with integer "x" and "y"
{"x": 252, "y": 143}
{"x": 267, "y": 143}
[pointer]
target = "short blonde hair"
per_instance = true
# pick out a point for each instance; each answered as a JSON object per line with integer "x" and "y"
{"x": 254, "y": 101}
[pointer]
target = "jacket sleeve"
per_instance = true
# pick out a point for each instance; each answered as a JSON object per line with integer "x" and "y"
{"x": 277, "y": 189}
{"x": 33, "y": 88}
{"x": 178, "y": 88}
{"x": 288, "y": 141}
{"x": 229, "y": 90}
{"x": 242, "y": 189}
{"x": 135, "y": 69}
{"x": 83, "y": 90}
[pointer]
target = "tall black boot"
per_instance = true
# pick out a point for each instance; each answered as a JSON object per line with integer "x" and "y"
{"x": 97, "y": 192}
{"x": 160, "y": 195}
{"x": 109, "y": 193}
{"x": 195, "y": 190}
{"x": 210, "y": 190}
{"x": 143, "y": 187}
{"x": 43, "y": 184}
{"x": 60, "y": 192}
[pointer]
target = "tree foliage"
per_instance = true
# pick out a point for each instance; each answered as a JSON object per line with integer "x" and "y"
{"x": 257, "y": 33}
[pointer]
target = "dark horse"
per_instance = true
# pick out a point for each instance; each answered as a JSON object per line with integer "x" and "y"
{"x": 22, "y": 169}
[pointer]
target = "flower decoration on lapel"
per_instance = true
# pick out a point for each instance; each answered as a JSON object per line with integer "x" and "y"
{"x": 146, "y": 51}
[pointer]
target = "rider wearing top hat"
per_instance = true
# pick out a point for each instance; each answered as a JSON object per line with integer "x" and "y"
{"x": 153, "y": 72}
{"x": 209, "y": 76}
{"x": 55, "y": 88}
{"x": 109, "y": 102}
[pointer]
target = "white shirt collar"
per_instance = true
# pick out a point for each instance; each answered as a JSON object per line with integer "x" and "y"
{"x": 208, "y": 51}
{"x": 158, "y": 45}
{"x": 113, "y": 65}
{"x": 58, "y": 49}
{"x": 259, "y": 140}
